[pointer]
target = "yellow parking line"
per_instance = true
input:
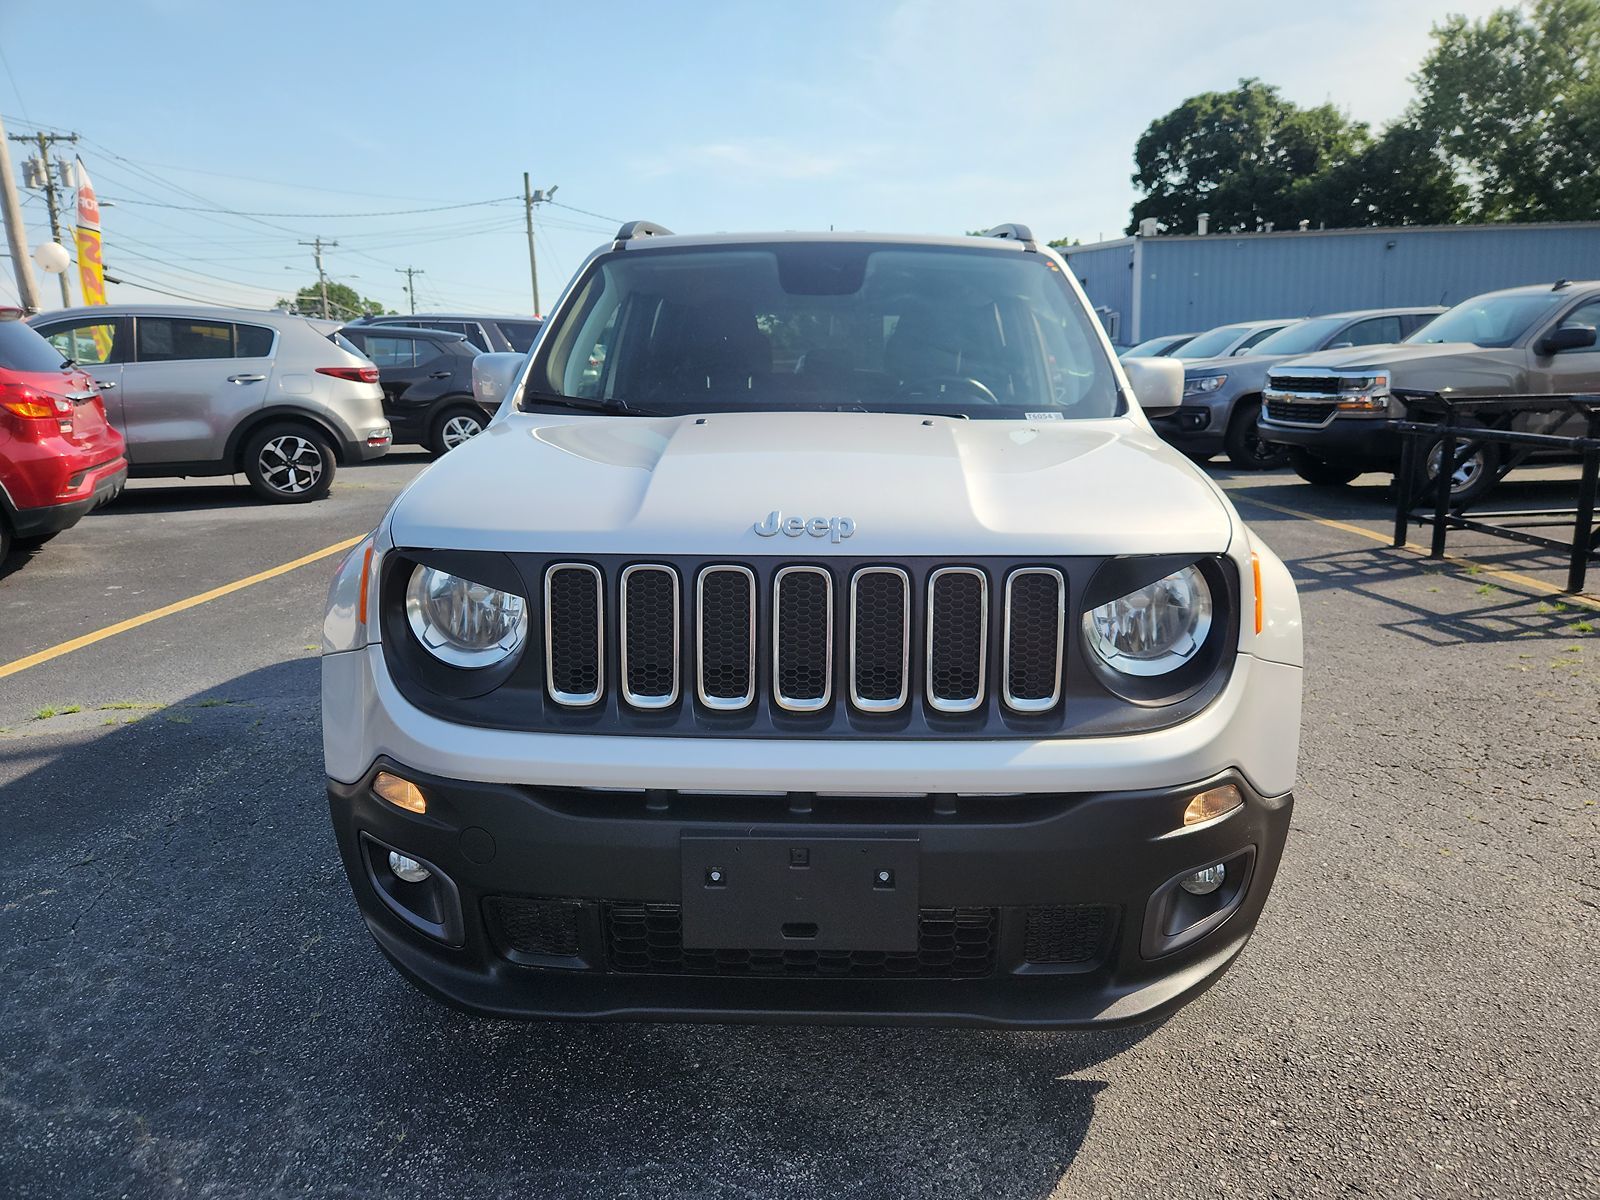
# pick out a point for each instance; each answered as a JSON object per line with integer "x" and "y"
{"x": 1526, "y": 581}
{"x": 155, "y": 614}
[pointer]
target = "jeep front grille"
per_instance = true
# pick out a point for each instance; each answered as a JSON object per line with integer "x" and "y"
{"x": 650, "y": 640}
{"x": 1036, "y": 600}
{"x": 802, "y": 638}
{"x": 958, "y": 643}
{"x": 725, "y": 637}
{"x": 880, "y": 638}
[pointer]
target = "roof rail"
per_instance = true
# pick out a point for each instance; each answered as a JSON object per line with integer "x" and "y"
{"x": 638, "y": 229}
{"x": 1016, "y": 233}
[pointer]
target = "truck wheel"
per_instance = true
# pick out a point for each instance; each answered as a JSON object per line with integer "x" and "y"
{"x": 1474, "y": 475}
{"x": 1243, "y": 441}
{"x": 1320, "y": 471}
{"x": 454, "y": 426}
{"x": 289, "y": 463}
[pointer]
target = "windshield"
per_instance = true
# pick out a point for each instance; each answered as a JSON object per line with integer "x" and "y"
{"x": 819, "y": 325}
{"x": 1489, "y": 321}
{"x": 1156, "y": 347}
{"x": 1302, "y": 337}
{"x": 1214, "y": 342}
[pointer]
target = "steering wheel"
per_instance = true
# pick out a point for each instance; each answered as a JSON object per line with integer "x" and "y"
{"x": 925, "y": 387}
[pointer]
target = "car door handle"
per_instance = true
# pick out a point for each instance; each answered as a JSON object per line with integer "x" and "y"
{"x": 440, "y": 375}
{"x": 245, "y": 378}
{"x": 105, "y": 385}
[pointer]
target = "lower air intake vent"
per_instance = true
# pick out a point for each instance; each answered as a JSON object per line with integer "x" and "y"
{"x": 952, "y": 943}
{"x": 1066, "y": 933}
{"x": 533, "y": 927}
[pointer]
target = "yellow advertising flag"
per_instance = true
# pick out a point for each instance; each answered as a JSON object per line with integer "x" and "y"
{"x": 91, "y": 268}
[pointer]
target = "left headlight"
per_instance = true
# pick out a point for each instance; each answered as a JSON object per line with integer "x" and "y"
{"x": 1203, "y": 385}
{"x": 462, "y": 622}
{"x": 1154, "y": 630}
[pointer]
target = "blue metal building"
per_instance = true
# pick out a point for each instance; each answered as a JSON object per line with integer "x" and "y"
{"x": 1146, "y": 286}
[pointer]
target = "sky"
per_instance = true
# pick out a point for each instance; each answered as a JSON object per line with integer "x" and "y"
{"x": 301, "y": 121}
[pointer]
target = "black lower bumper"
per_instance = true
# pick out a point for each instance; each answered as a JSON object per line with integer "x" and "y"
{"x": 1041, "y": 911}
{"x": 1359, "y": 441}
{"x": 1193, "y": 429}
{"x": 54, "y": 518}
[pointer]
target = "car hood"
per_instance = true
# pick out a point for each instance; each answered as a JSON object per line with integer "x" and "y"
{"x": 1242, "y": 367}
{"x": 1431, "y": 367}
{"x": 908, "y": 485}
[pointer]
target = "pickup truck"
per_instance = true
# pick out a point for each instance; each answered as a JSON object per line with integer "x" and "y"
{"x": 1337, "y": 411}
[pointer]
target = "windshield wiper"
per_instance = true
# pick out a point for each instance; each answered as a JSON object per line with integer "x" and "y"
{"x": 589, "y": 404}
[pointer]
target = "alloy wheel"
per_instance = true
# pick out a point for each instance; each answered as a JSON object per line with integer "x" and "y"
{"x": 291, "y": 464}
{"x": 458, "y": 429}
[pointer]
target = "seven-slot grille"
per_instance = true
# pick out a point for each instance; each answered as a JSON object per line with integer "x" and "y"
{"x": 791, "y": 621}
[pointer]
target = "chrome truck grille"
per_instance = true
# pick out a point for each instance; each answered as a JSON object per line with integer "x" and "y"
{"x": 804, "y": 638}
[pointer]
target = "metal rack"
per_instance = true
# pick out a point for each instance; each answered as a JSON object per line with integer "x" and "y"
{"x": 1455, "y": 423}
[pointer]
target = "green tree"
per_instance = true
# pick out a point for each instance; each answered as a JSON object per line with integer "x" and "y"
{"x": 344, "y": 302}
{"x": 1401, "y": 178}
{"x": 1239, "y": 156}
{"x": 1513, "y": 100}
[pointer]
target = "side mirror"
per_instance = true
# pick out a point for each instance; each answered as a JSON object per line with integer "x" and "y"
{"x": 493, "y": 376}
{"x": 1568, "y": 337}
{"x": 1157, "y": 384}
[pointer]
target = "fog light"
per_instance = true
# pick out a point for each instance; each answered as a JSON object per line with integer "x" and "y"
{"x": 410, "y": 870}
{"x": 1201, "y": 883}
{"x": 1212, "y": 802}
{"x": 401, "y": 793}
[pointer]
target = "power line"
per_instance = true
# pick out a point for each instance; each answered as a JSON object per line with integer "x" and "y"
{"x": 235, "y": 212}
{"x": 586, "y": 212}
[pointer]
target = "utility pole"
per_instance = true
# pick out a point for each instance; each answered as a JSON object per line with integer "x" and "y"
{"x": 411, "y": 288}
{"x": 317, "y": 247}
{"x": 44, "y": 141}
{"x": 529, "y": 199}
{"x": 16, "y": 235}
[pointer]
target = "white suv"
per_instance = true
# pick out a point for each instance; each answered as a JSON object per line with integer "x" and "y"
{"x": 845, "y": 647}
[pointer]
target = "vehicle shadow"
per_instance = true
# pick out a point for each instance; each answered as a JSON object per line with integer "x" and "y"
{"x": 192, "y": 1003}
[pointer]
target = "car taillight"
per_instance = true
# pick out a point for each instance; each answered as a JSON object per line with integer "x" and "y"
{"x": 357, "y": 374}
{"x": 36, "y": 414}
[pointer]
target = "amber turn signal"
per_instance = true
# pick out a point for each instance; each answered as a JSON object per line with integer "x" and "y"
{"x": 1212, "y": 802}
{"x": 402, "y": 793}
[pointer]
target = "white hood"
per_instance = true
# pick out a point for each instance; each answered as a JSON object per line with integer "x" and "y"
{"x": 909, "y": 484}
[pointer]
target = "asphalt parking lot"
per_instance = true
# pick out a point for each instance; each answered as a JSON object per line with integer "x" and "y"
{"x": 189, "y": 1004}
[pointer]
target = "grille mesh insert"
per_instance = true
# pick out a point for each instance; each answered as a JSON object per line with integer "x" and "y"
{"x": 1309, "y": 413}
{"x": 1033, "y": 643}
{"x": 572, "y": 623}
{"x": 952, "y": 943}
{"x": 957, "y": 628}
{"x": 802, "y": 652}
{"x": 727, "y": 639}
{"x": 525, "y": 926}
{"x": 880, "y": 612}
{"x": 649, "y": 630}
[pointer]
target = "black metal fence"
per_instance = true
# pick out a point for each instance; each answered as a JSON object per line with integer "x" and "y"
{"x": 1448, "y": 430}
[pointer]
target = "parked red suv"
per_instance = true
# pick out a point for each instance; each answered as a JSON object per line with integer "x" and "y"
{"x": 59, "y": 456}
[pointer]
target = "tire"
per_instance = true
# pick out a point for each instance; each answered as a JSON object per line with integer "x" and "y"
{"x": 5, "y": 539}
{"x": 1473, "y": 478}
{"x": 456, "y": 424}
{"x": 1243, "y": 441}
{"x": 289, "y": 463}
{"x": 1319, "y": 471}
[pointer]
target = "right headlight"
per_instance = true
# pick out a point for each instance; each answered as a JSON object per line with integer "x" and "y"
{"x": 464, "y": 623}
{"x": 1154, "y": 630}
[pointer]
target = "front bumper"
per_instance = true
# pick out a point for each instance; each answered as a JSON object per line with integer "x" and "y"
{"x": 613, "y": 870}
{"x": 1193, "y": 429}
{"x": 1371, "y": 442}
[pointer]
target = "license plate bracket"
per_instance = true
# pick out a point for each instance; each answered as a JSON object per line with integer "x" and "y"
{"x": 786, "y": 893}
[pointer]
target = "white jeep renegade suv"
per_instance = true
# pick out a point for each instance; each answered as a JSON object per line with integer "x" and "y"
{"x": 818, "y": 632}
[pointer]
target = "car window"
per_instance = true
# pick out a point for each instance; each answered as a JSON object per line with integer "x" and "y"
{"x": 832, "y": 326}
{"x": 169, "y": 339}
{"x": 1213, "y": 342}
{"x": 253, "y": 341}
{"x": 392, "y": 351}
{"x": 520, "y": 334}
{"x": 90, "y": 343}
{"x": 426, "y": 351}
{"x": 1302, "y": 337}
{"x": 1490, "y": 321}
{"x": 22, "y": 349}
{"x": 1258, "y": 336}
{"x": 1585, "y": 314}
{"x": 1374, "y": 331}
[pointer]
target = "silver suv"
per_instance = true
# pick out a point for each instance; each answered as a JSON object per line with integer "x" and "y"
{"x": 281, "y": 399}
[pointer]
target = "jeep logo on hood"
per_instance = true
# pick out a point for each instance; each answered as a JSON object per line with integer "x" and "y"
{"x": 835, "y": 529}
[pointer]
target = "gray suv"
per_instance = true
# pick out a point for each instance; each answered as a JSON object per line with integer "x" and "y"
{"x": 1222, "y": 396}
{"x": 281, "y": 399}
